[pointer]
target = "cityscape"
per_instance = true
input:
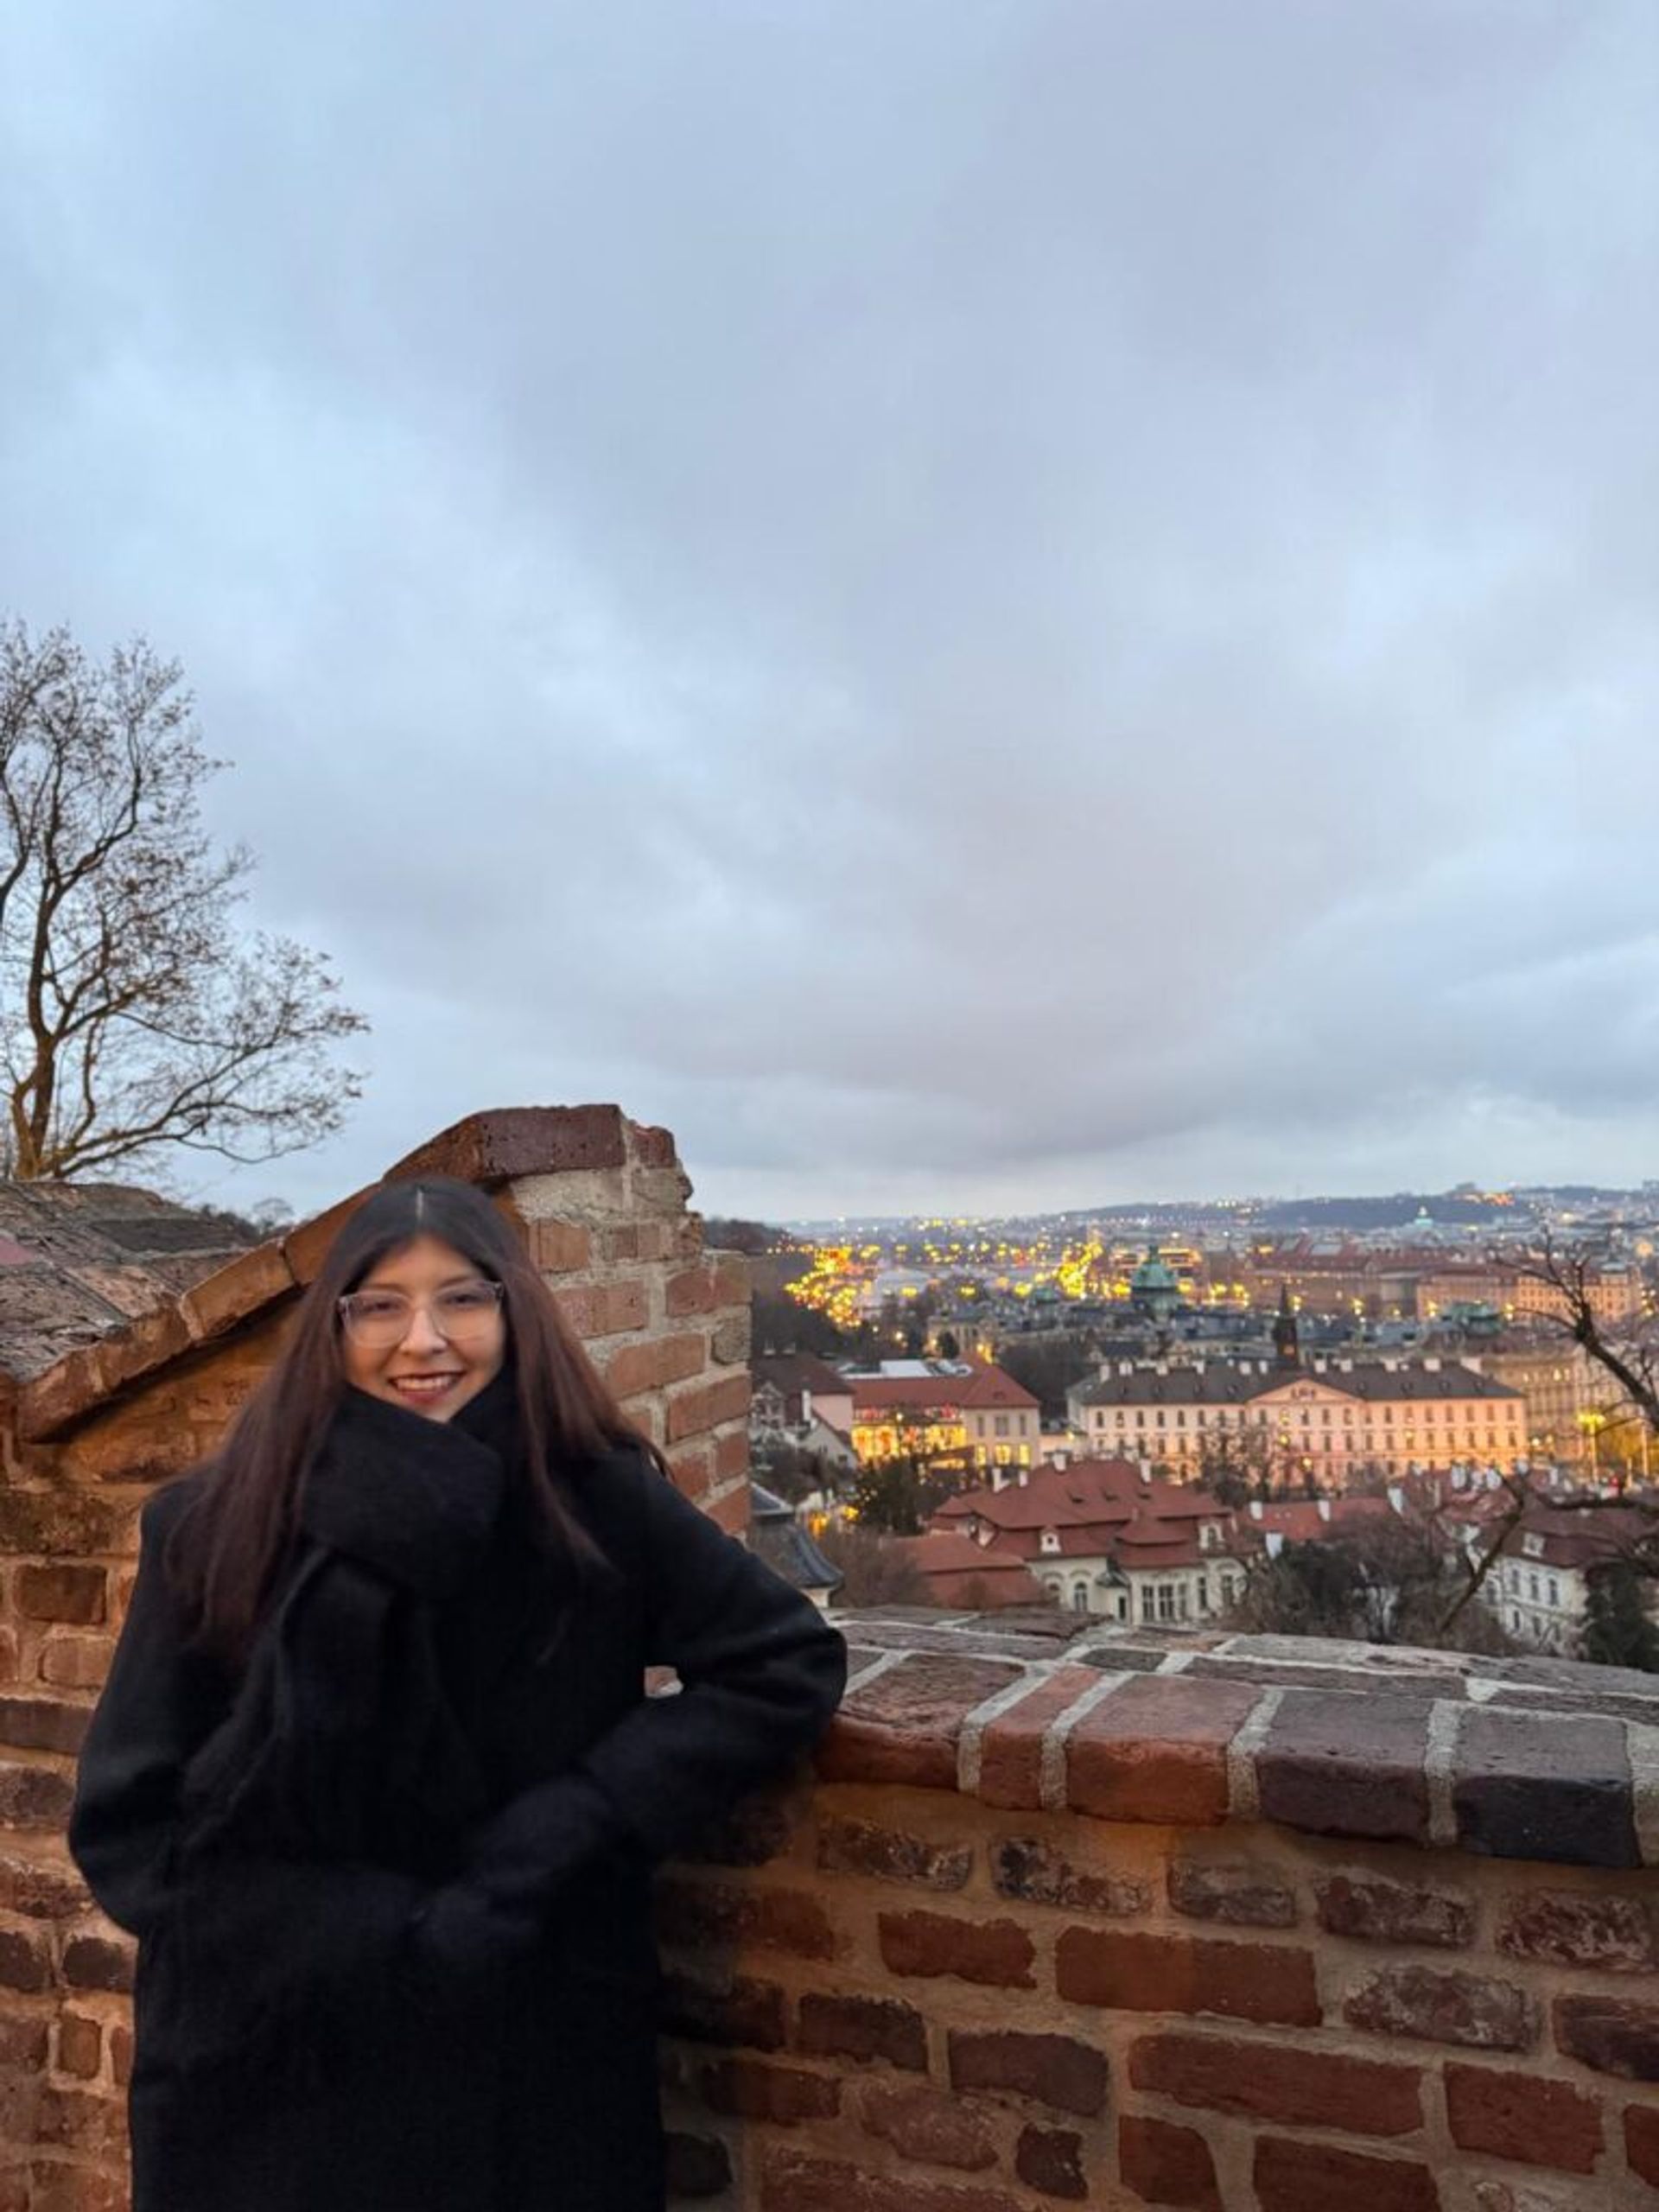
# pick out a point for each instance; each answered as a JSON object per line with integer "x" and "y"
{"x": 1166, "y": 1414}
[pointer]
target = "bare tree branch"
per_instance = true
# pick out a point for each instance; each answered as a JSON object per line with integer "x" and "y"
{"x": 134, "y": 1015}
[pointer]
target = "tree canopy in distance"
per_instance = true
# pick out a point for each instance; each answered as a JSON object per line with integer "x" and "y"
{"x": 135, "y": 1015}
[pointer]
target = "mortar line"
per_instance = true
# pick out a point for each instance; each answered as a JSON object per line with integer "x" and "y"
{"x": 1445, "y": 1721}
{"x": 1051, "y": 1760}
{"x": 1243, "y": 1783}
{"x": 971, "y": 1743}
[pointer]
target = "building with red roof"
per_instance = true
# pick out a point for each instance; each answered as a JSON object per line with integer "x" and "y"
{"x": 937, "y": 1410}
{"x": 1100, "y": 1536}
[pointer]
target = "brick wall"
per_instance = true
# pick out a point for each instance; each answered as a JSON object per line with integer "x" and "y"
{"x": 1030, "y": 1939}
{"x": 602, "y": 1202}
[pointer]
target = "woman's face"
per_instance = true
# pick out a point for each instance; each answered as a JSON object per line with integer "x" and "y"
{"x": 410, "y": 1335}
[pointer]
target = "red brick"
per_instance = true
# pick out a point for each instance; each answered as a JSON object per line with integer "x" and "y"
{"x": 692, "y": 1291}
{"x": 651, "y": 1147}
{"x": 45, "y": 1889}
{"x": 61, "y": 1593}
{"x": 509, "y": 1141}
{"x": 25, "y": 1962}
{"x": 76, "y": 1662}
{"x": 791, "y": 2182}
{"x": 1054, "y": 2070}
{"x": 604, "y": 1309}
{"x": 639, "y": 1239}
{"x": 1570, "y": 1928}
{"x": 80, "y": 2044}
{"x": 1445, "y": 2007}
{"x": 1526, "y": 1787}
{"x": 925, "y": 2123}
{"x": 692, "y": 1913}
{"x": 307, "y": 1245}
{"x": 1010, "y": 1750}
{"x": 558, "y": 1247}
{"x": 121, "y": 2053}
{"x": 705, "y": 1406}
{"x": 652, "y": 1366}
{"x": 1612, "y": 2034}
{"x": 755, "y": 2088}
{"x": 42, "y": 1724}
{"x": 1297, "y": 2087}
{"x": 731, "y": 1455}
{"x": 694, "y": 1474}
{"x": 734, "y": 1512}
{"x": 245, "y": 1286}
{"x": 23, "y": 2042}
{"x": 1642, "y": 2141}
{"x": 1375, "y": 1910}
{"x": 1156, "y": 1749}
{"x": 1309, "y": 2177}
{"x": 862, "y": 2027}
{"x": 737, "y": 2012}
{"x": 1522, "y": 2116}
{"x": 34, "y": 1796}
{"x": 1051, "y": 2159}
{"x": 79, "y": 2119}
{"x": 94, "y": 1962}
{"x": 850, "y": 1846}
{"x": 1170, "y": 1973}
{"x": 1166, "y": 2165}
{"x": 1337, "y": 1764}
{"x": 72, "y": 2189}
{"x": 1243, "y": 1895}
{"x": 994, "y": 1952}
{"x": 903, "y": 1725}
{"x": 63, "y": 1520}
{"x": 1025, "y": 1867}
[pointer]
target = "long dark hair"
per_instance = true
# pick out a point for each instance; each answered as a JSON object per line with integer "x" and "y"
{"x": 227, "y": 1551}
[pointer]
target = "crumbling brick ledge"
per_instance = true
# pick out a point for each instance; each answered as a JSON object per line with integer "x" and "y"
{"x": 1113, "y": 1918}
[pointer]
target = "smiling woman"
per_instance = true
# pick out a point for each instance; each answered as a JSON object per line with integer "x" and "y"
{"x": 425, "y": 1329}
{"x": 374, "y": 1778}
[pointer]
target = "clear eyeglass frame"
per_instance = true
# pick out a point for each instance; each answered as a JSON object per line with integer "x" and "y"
{"x": 459, "y": 1312}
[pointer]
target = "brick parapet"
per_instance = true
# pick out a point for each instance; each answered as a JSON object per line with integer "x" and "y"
{"x": 1519, "y": 1758}
{"x": 890, "y": 1996}
{"x": 1117, "y": 1918}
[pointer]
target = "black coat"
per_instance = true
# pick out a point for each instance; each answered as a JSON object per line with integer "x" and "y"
{"x": 391, "y": 1884}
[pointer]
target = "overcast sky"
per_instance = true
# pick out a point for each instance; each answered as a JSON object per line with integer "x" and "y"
{"x": 973, "y": 603}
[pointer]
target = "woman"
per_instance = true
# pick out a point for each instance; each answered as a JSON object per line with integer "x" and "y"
{"x": 374, "y": 1780}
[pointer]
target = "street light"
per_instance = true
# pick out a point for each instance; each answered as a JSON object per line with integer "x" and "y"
{"x": 1593, "y": 1423}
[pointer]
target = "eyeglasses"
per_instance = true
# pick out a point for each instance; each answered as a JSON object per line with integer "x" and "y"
{"x": 459, "y": 1312}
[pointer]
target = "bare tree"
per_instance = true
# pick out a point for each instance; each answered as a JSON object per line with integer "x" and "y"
{"x": 877, "y": 1569}
{"x": 1629, "y": 1526}
{"x": 1631, "y": 1358}
{"x": 134, "y": 1015}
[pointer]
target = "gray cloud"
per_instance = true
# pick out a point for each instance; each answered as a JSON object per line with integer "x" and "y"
{"x": 959, "y": 601}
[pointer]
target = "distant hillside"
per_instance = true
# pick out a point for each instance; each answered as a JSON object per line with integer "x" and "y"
{"x": 1396, "y": 1211}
